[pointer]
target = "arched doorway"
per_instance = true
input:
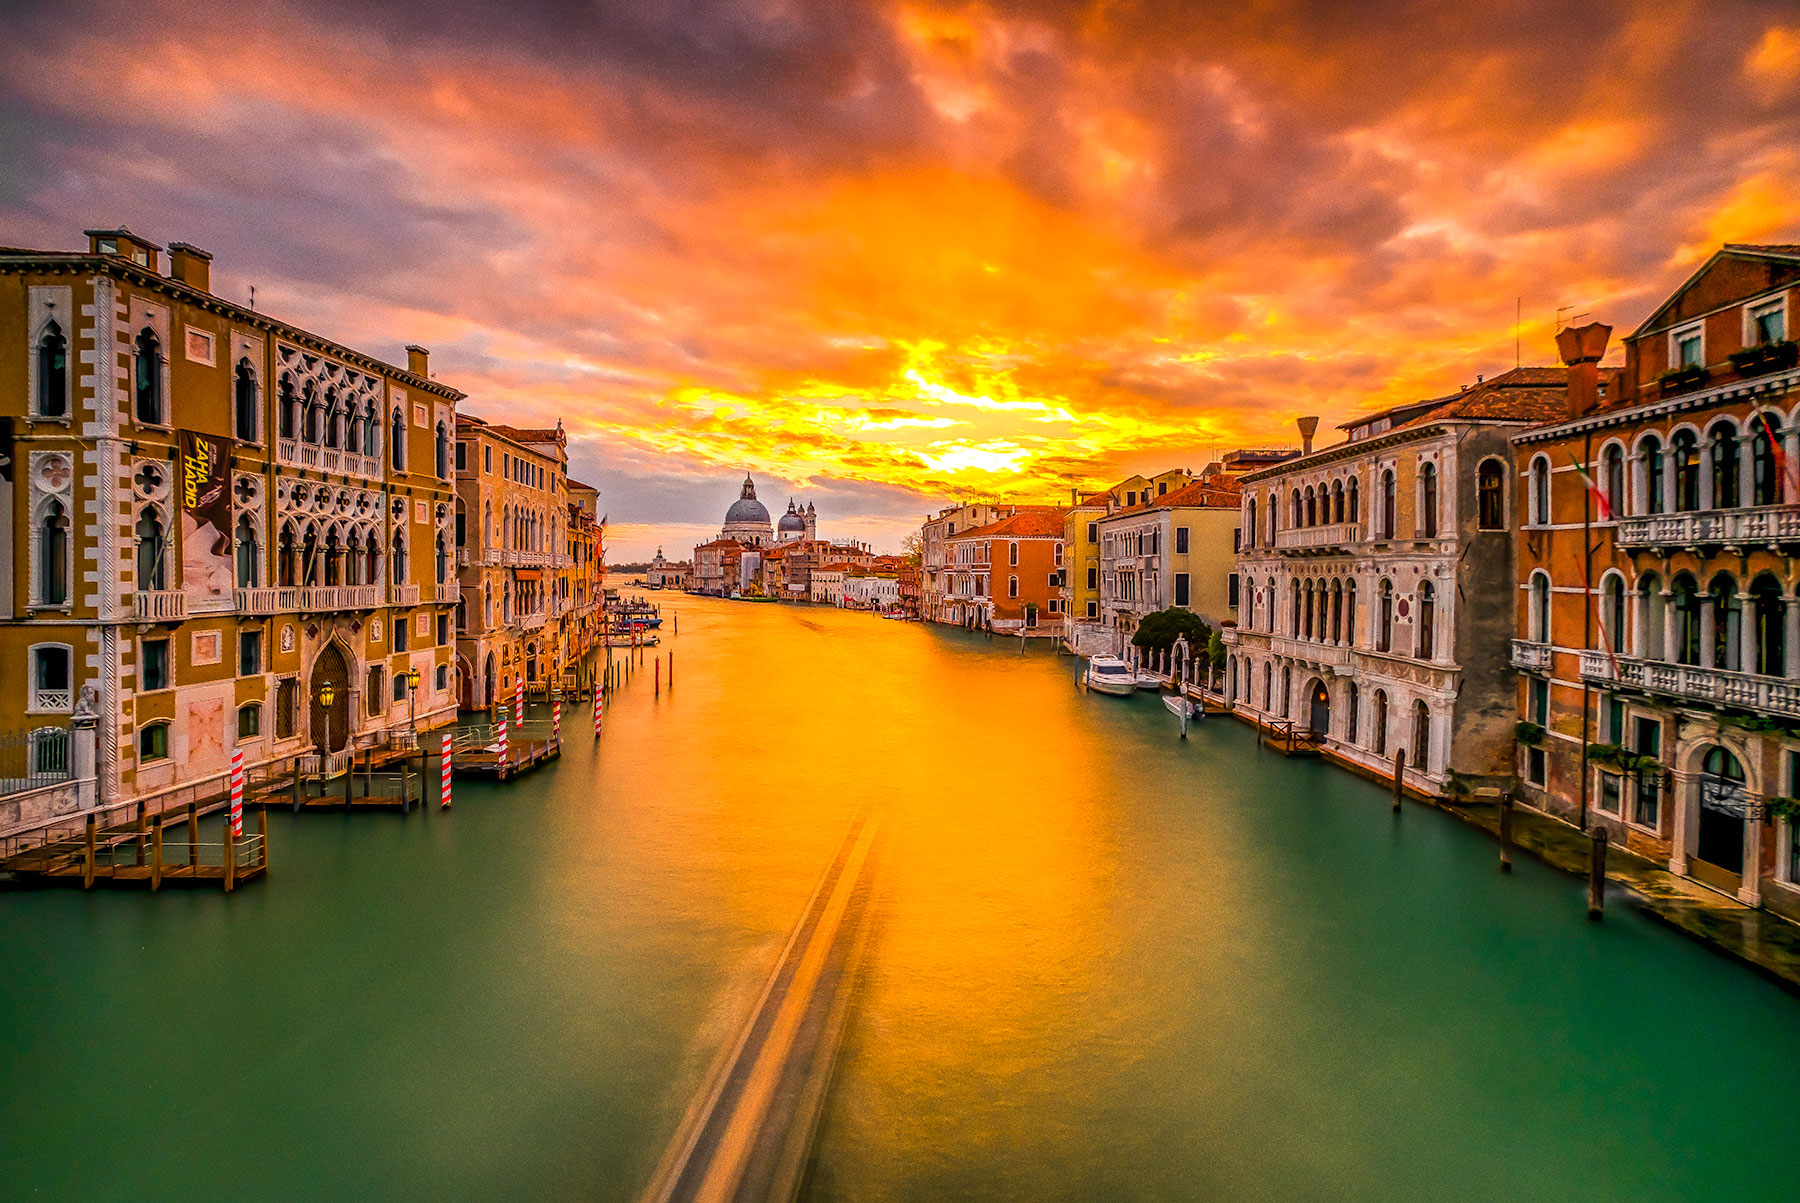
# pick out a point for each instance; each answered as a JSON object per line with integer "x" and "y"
{"x": 1319, "y": 716}
{"x": 1724, "y": 804}
{"x": 489, "y": 682}
{"x": 465, "y": 685}
{"x": 331, "y": 725}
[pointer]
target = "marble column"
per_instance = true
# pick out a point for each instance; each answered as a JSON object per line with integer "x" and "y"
{"x": 1746, "y": 633}
{"x": 1750, "y": 886}
{"x": 1671, "y": 627}
{"x": 1707, "y": 622}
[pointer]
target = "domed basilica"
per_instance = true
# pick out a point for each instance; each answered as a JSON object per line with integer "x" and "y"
{"x": 747, "y": 521}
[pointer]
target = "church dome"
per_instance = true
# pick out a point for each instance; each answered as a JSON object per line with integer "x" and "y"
{"x": 747, "y": 510}
{"x": 792, "y": 521}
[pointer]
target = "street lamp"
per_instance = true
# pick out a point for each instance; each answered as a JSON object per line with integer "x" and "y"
{"x": 327, "y": 695}
{"x": 412, "y": 697}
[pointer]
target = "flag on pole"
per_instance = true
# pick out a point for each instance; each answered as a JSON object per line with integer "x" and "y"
{"x": 1783, "y": 467}
{"x": 237, "y": 791}
{"x": 444, "y": 769}
{"x": 1601, "y": 502}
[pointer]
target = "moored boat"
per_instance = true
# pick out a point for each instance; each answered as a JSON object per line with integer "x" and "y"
{"x": 1109, "y": 674}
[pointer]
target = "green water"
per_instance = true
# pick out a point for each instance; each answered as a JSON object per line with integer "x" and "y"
{"x": 1109, "y": 965}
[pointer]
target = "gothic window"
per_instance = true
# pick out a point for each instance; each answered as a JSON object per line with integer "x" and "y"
{"x": 443, "y": 452}
{"x": 1612, "y": 612}
{"x": 53, "y": 556}
{"x": 400, "y": 573}
{"x": 1540, "y": 492}
{"x": 309, "y": 558}
{"x": 1769, "y": 612}
{"x": 1384, "y": 616}
{"x": 1686, "y": 451}
{"x": 1351, "y": 506}
{"x": 289, "y": 404}
{"x": 148, "y": 372}
{"x": 1722, "y": 449}
{"x": 247, "y": 575}
{"x": 397, "y": 436}
{"x": 1428, "y": 500}
{"x": 1421, "y": 735}
{"x": 334, "y": 559}
{"x": 53, "y": 373}
{"x": 1380, "y": 718}
{"x": 1765, "y": 484}
{"x": 1612, "y": 477}
{"x": 1537, "y": 621}
{"x": 314, "y": 429}
{"x": 1426, "y": 623}
{"x": 371, "y": 431}
{"x": 286, "y": 556}
{"x": 151, "y": 549}
{"x": 1387, "y": 504}
{"x": 443, "y": 560}
{"x": 1337, "y": 501}
{"x": 243, "y": 397}
{"x": 1653, "y": 499}
{"x": 1250, "y": 523}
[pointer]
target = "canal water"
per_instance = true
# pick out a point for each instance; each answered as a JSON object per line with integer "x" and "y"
{"x": 1108, "y": 965}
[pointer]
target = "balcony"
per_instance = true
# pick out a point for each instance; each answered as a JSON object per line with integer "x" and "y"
{"x": 1316, "y": 540}
{"x": 462, "y": 557}
{"x": 1768, "y": 524}
{"x": 1745, "y": 691}
{"x": 322, "y": 599}
{"x": 1530, "y": 655}
{"x": 159, "y": 605}
{"x": 448, "y": 591}
{"x": 532, "y": 620}
{"x": 266, "y": 601}
{"x": 406, "y": 595}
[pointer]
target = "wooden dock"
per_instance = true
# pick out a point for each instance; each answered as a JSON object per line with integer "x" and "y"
{"x": 137, "y": 855}
{"x": 483, "y": 759}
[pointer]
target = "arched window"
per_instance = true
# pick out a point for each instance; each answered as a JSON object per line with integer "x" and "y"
{"x": 1352, "y": 696}
{"x": 1337, "y": 501}
{"x": 1652, "y": 618}
{"x": 309, "y": 557}
{"x": 1350, "y": 613}
{"x": 443, "y": 560}
{"x": 1765, "y": 482}
{"x": 371, "y": 446}
{"x": 1769, "y": 613}
{"x": 399, "y": 557}
{"x": 1685, "y": 601}
{"x": 1652, "y": 499}
{"x": 52, "y": 373}
{"x": 1537, "y": 617}
{"x": 243, "y": 401}
{"x": 1287, "y": 687}
{"x": 248, "y": 576}
{"x": 312, "y": 430}
{"x": 153, "y": 742}
{"x": 1294, "y": 609}
{"x": 1612, "y": 477}
{"x": 1296, "y": 514}
{"x": 147, "y": 365}
{"x": 1540, "y": 491}
{"x": 1685, "y": 449}
{"x": 151, "y": 571}
{"x": 371, "y": 559}
{"x": 1250, "y": 522}
{"x": 1268, "y": 686}
{"x": 1378, "y": 732}
{"x": 1722, "y": 451}
{"x": 1612, "y": 612}
{"x": 1728, "y": 623}
{"x": 1337, "y": 611}
{"x": 1384, "y": 616}
{"x": 287, "y": 565}
{"x": 1312, "y": 507}
{"x": 1426, "y": 624}
{"x": 334, "y": 419}
{"x": 1428, "y": 500}
{"x": 1490, "y": 495}
{"x": 334, "y": 559}
{"x": 289, "y": 404}
{"x": 1387, "y": 504}
{"x": 443, "y": 452}
{"x": 53, "y": 555}
{"x": 397, "y": 441}
{"x": 1421, "y": 736}
{"x": 1350, "y": 502}
{"x": 1272, "y": 507}
{"x": 1308, "y": 631}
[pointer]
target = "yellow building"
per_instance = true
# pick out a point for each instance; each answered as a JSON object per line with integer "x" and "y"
{"x": 1084, "y": 629}
{"x": 214, "y": 514}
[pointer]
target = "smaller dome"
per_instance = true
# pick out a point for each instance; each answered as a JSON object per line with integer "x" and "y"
{"x": 791, "y": 521}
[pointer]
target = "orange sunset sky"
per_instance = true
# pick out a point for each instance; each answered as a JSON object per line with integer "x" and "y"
{"x": 887, "y": 255}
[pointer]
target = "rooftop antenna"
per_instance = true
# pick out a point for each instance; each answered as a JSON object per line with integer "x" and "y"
{"x": 1518, "y": 317}
{"x": 253, "y": 296}
{"x": 1560, "y": 323}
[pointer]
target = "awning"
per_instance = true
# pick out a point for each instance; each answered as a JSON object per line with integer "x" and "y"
{"x": 527, "y": 574}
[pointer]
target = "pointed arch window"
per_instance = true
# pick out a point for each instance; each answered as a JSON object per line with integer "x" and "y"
{"x": 53, "y": 555}
{"x": 52, "y": 373}
{"x": 1427, "y": 621}
{"x": 399, "y": 558}
{"x": 1540, "y": 492}
{"x": 147, "y": 369}
{"x": 288, "y": 422}
{"x": 1421, "y": 756}
{"x": 1384, "y": 616}
{"x": 243, "y": 401}
{"x": 1612, "y": 477}
{"x": 1379, "y": 719}
{"x": 287, "y": 555}
{"x": 151, "y": 552}
{"x": 442, "y": 452}
{"x": 371, "y": 429}
{"x": 1428, "y": 500}
{"x": 249, "y": 575}
{"x": 1387, "y": 504}
{"x": 443, "y": 560}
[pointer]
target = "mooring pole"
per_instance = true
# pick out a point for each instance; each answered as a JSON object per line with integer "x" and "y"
{"x": 193, "y": 825}
{"x": 1506, "y": 832}
{"x": 1597, "y": 875}
{"x": 658, "y": 675}
{"x": 1399, "y": 777}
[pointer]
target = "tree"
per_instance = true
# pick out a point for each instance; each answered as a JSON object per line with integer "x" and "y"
{"x": 912, "y": 548}
{"x": 1215, "y": 650}
{"x": 1159, "y": 631}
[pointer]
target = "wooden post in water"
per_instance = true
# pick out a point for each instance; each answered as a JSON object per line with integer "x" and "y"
{"x": 1506, "y": 832}
{"x": 1399, "y": 777}
{"x": 262, "y": 836}
{"x": 141, "y": 827}
{"x": 658, "y": 672}
{"x": 87, "y": 864}
{"x": 1597, "y": 874}
{"x": 671, "y": 668}
{"x": 156, "y": 855}
{"x": 193, "y": 825}
{"x": 230, "y": 856}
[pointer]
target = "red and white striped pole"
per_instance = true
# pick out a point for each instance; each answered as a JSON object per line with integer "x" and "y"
{"x": 237, "y": 791}
{"x": 444, "y": 768}
{"x": 556, "y": 722}
{"x": 502, "y": 743}
{"x": 519, "y": 704}
{"x": 598, "y": 707}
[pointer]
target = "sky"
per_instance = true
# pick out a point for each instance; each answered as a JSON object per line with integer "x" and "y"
{"x": 885, "y": 256}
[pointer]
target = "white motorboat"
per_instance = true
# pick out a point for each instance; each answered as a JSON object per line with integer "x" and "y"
{"x": 1146, "y": 681}
{"x": 1109, "y": 674}
{"x": 1182, "y": 707}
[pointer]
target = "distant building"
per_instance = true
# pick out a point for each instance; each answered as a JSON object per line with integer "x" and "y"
{"x": 667, "y": 574}
{"x": 1007, "y": 575}
{"x": 1084, "y": 630}
{"x": 1173, "y": 551}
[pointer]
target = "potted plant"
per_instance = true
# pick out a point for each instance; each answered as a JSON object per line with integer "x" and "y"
{"x": 1604, "y": 753}
{"x": 1529, "y": 734}
{"x": 1783, "y": 808}
{"x": 1677, "y": 380}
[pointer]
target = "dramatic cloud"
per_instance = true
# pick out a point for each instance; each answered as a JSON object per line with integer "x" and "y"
{"x": 885, "y": 254}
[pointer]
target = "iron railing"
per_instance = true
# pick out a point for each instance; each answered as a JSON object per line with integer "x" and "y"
{"x": 34, "y": 759}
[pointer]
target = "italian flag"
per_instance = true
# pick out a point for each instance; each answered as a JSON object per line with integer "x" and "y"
{"x": 1781, "y": 459}
{"x": 1594, "y": 490}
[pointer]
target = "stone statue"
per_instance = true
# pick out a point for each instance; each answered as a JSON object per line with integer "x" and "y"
{"x": 87, "y": 705}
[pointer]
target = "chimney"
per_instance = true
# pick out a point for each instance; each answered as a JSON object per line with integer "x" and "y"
{"x": 191, "y": 265}
{"x": 418, "y": 360}
{"x": 1581, "y": 348}
{"x": 1307, "y": 427}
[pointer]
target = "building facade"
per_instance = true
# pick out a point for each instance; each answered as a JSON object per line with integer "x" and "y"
{"x": 215, "y": 514}
{"x": 1007, "y": 575}
{"x": 1362, "y": 572}
{"x": 1176, "y": 550}
{"x": 1658, "y": 624}
{"x": 667, "y": 574}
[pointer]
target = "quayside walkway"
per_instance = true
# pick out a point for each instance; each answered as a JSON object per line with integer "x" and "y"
{"x": 748, "y": 1134}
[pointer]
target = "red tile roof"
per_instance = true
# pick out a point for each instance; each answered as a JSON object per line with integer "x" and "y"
{"x": 1031, "y": 522}
{"x": 1225, "y": 494}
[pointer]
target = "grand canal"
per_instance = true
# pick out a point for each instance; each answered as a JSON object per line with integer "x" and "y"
{"x": 1107, "y": 964}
